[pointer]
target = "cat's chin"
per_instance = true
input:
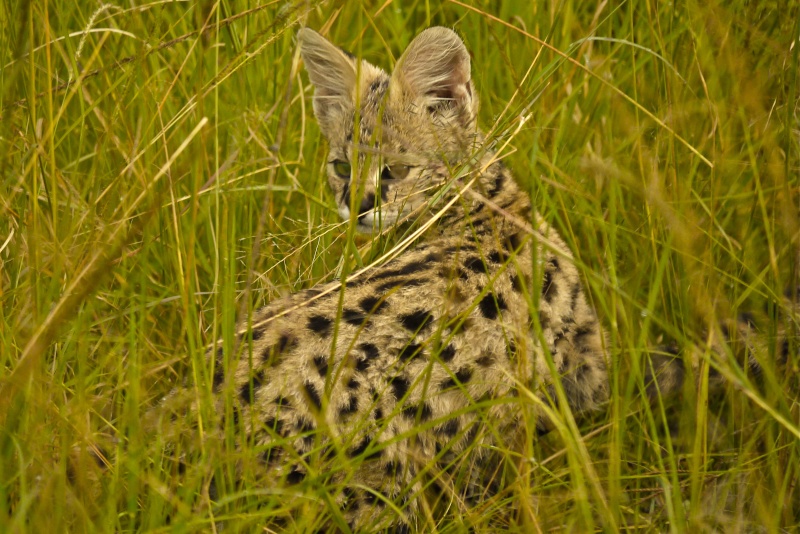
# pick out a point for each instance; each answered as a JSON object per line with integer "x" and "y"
{"x": 368, "y": 229}
{"x": 368, "y": 225}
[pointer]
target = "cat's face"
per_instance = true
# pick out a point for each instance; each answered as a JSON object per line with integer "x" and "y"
{"x": 394, "y": 140}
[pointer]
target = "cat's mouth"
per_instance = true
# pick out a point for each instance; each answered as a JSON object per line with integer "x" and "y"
{"x": 373, "y": 221}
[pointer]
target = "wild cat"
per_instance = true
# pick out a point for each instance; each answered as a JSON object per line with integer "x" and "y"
{"x": 379, "y": 384}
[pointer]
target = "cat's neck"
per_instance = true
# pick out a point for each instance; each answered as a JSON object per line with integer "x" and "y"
{"x": 490, "y": 203}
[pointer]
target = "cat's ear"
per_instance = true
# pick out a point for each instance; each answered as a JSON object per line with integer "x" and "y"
{"x": 434, "y": 74}
{"x": 333, "y": 73}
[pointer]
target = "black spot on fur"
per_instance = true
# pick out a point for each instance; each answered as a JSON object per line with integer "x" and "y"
{"x": 313, "y": 394}
{"x": 408, "y": 268}
{"x": 433, "y": 257}
{"x": 255, "y": 335}
{"x": 497, "y": 186}
{"x": 400, "y": 386}
{"x": 362, "y": 364}
{"x": 270, "y": 456}
{"x": 393, "y": 469}
{"x": 372, "y": 500}
{"x": 410, "y": 351}
{"x": 273, "y": 355}
{"x": 421, "y": 412}
{"x": 485, "y": 361}
{"x": 549, "y": 290}
{"x": 416, "y": 320}
{"x": 475, "y": 211}
{"x": 351, "y": 506}
{"x": 392, "y": 284}
{"x": 282, "y": 401}
{"x": 327, "y": 453}
{"x": 726, "y": 332}
{"x": 512, "y": 348}
{"x": 370, "y": 350}
{"x": 462, "y": 376}
{"x": 353, "y": 384}
{"x": 582, "y": 332}
{"x": 558, "y": 337}
{"x": 514, "y": 242}
{"x": 321, "y": 363}
{"x": 362, "y": 448}
{"x": 246, "y": 392}
{"x": 372, "y": 304}
{"x": 295, "y": 476}
{"x": 747, "y": 319}
{"x": 350, "y": 408}
{"x": 276, "y": 425}
{"x": 286, "y": 342}
{"x": 319, "y": 324}
{"x": 573, "y": 296}
{"x": 544, "y": 319}
{"x": 448, "y": 428}
{"x": 458, "y": 248}
{"x": 498, "y": 256}
{"x": 305, "y": 426}
{"x": 581, "y": 371}
{"x": 476, "y": 265}
{"x": 219, "y": 376}
{"x": 353, "y": 317}
{"x": 713, "y": 373}
{"x": 447, "y": 353}
{"x": 454, "y": 325}
{"x": 491, "y": 305}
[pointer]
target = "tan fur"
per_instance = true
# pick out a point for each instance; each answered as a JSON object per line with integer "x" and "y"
{"x": 404, "y": 366}
{"x": 444, "y": 330}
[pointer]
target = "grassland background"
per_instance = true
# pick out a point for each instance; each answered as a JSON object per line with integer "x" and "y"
{"x": 162, "y": 172}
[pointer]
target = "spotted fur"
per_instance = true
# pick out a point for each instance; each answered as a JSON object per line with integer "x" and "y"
{"x": 401, "y": 367}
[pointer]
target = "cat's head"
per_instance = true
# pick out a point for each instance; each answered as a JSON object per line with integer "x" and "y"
{"x": 394, "y": 139}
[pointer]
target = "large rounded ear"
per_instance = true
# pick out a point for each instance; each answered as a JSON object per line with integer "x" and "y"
{"x": 333, "y": 74}
{"x": 433, "y": 74}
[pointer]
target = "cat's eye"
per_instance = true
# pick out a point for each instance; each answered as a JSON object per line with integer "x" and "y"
{"x": 395, "y": 172}
{"x": 342, "y": 169}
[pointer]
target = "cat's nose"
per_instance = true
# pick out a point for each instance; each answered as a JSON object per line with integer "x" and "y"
{"x": 367, "y": 204}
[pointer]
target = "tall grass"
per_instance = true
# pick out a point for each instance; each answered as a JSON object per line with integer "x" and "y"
{"x": 162, "y": 174}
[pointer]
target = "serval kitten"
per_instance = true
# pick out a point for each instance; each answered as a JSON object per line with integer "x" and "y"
{"x": 441, "y": 353}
